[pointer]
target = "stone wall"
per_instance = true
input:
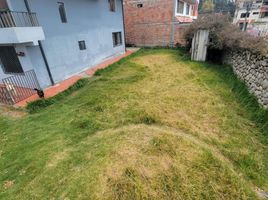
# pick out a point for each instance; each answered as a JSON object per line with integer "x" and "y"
{"x": 253, "y": 69}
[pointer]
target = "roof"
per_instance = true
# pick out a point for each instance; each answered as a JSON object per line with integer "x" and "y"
{"x": 183, "y": 19}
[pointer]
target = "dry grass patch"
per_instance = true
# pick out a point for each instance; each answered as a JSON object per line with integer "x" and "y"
{"x": 155, "y": 163}
{"x": 179, "y": 101}
{"x": 11, "y": 112}
{"x": 57, "y": 158}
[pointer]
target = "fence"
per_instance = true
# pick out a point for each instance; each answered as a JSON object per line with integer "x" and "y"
{"x": 17, "y": 19}
{"x": 18, "y": 87}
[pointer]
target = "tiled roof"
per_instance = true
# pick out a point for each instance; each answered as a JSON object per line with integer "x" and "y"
{"x": 183, "y": 19}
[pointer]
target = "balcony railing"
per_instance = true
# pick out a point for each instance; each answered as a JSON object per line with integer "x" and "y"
{"x": 18, "y": 87}
{"x": 17, "y": 19}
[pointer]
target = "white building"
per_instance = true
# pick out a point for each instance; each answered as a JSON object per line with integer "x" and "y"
{"x": 255, "y": 17}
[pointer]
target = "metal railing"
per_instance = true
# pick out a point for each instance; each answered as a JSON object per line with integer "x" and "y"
{"x": 17, "y": 19}
{"x": 19, "y": 87}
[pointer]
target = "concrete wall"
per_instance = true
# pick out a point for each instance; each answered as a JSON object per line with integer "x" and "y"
{"x": 253, "y": 69}
{"x": 18, "y": 35}
{"x": 89, "y": 20}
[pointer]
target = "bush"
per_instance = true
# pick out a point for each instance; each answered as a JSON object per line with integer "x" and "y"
{"x": 37, "y": 105}
{"x": 224, "y": 35}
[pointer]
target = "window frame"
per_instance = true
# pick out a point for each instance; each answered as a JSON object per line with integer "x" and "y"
{"x": 62, "y": 12}
{"x": 117, "y": 39}
{"x": 112, "y": 5}
{"x": 185, "y": 8}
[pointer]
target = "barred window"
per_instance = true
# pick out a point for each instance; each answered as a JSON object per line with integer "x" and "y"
{"x": 117, "y": 38}
{"x": 82, "y": 45}
{"x": 112, "y": 5}
{"x": 62, "y": 12}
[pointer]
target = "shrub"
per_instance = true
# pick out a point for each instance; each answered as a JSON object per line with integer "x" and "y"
{"x": 224, "y": 35}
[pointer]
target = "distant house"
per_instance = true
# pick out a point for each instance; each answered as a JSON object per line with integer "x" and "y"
{"x": 158, "y": 22}
{"x": 55, "y": 39}
{"x": 252, "y": 16}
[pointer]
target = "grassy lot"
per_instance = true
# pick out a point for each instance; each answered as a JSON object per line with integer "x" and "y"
{"x": 153, "y": 126}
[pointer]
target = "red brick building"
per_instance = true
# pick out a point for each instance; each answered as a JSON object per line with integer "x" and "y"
{"x": 158, "y": 22}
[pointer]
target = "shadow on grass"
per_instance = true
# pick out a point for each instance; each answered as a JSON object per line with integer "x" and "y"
{"x": 256, "y": 112}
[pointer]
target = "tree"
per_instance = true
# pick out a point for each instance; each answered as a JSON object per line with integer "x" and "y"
{"x": 208, "y": 6}
{"x": 224, "y": 35}
{"x": 217, "y": 6}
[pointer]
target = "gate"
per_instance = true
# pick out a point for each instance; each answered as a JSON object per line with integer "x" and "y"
{"x": 199, "y": 45}
{"x": 18, "y": 87}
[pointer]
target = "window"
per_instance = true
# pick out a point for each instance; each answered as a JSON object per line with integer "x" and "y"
{"x": 187, "y": 9}
{"x": 140, "y": 5}
{"x": 112, "y": 5}
{"x": 241, "y": 25}
{"x": 62, "y": 12}
{"x": 82, "y": 45}
{"x": 117, "y": 39}
{"x": 180, "y": 7}
{"x": 264, "y": 14}
{"x": 244, "y": 15}
{"x": 9, "y": 60}
{"x": 255, "y": 13}
{"x": 246, "y": 26}
{"x": 184, "y": 8}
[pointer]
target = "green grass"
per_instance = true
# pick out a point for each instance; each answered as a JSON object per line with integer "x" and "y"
{"x": 152, "y": 126}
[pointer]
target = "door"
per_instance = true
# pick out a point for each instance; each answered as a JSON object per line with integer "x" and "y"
{"x": 9, "y": 60}
{"x": 199, "y": 45}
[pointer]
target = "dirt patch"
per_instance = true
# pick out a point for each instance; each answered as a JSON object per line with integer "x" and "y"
{"x": 8, "y": 184}
{"x": 57, "y": 158}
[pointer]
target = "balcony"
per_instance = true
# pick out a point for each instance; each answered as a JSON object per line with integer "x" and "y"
{"x": 20, "y": 27}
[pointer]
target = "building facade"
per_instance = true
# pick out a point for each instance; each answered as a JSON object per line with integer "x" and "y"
{"x": 158, "y": 22}
{"x": 58, "y": 39}
{"x": 252, "y": 16}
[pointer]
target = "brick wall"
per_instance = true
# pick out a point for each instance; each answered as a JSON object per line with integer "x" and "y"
{"x": 179, "y": 30}
{"x": 152, "y": 24}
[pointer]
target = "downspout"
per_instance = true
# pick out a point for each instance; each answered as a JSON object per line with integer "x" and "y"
{"x": 46, "y": 62}
{"x": 41, "y": 49}
{"x": 123, "y": 15}
{"x": 27, "y": 6}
